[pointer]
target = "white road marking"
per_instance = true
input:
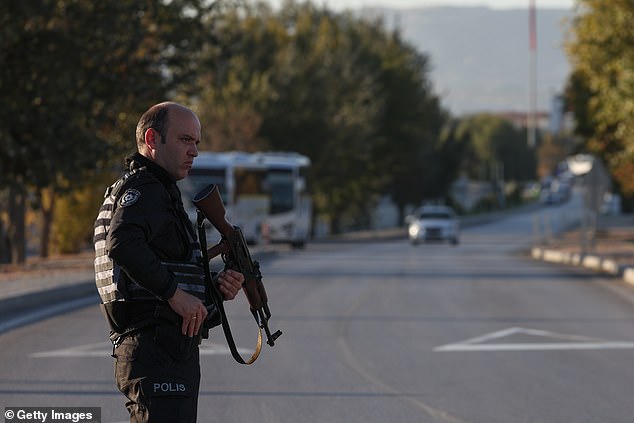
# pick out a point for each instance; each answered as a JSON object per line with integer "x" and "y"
{"x": 104, "y": 349}
{"x": 570, "y": 342}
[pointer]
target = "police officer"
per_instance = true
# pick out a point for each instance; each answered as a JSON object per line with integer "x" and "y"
{"x": 148, "y": 270}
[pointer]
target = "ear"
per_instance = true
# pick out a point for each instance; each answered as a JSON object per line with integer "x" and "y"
{"x": 151, "y": 138}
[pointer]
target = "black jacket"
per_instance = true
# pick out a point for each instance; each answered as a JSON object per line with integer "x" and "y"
{"x": 148, "y": 226}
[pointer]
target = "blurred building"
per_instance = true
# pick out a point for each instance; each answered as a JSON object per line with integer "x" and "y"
{"x": 555, "y": 121}
{"x": 520, "y": 119}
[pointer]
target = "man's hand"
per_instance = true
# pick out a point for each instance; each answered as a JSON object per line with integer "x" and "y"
{"x": 191, "y": 309}
{"x": 229, "y": 283}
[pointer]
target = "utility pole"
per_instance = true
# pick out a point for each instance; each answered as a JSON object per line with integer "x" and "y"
{"x": 532, "y": 75}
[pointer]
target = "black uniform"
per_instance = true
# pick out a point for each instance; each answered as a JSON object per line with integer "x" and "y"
{"x": 145, "y": 248}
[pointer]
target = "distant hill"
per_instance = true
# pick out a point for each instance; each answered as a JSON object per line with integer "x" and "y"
{"x": 480, "y": 56}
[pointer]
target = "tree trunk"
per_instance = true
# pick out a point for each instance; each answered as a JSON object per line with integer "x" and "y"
{"x": 335, "y": 225}
{"x": 48, "y": 209}
{"x": 5, "y": 252}
{"x": 17, "y": 229}
{"x": 401, "y": 214}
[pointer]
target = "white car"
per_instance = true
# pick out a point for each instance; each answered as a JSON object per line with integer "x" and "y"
{"x": 433, "y": 223}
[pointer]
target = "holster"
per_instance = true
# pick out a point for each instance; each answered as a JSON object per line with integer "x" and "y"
{"x": 117, "y": 315}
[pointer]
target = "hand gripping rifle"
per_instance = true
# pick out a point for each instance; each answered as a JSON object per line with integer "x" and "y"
{"x": 235, "y": 254}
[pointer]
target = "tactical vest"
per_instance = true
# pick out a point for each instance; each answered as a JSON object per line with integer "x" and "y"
{"x": 113, "y": 284}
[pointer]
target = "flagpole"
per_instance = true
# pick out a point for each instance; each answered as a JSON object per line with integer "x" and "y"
{"x": 532, "y": 83}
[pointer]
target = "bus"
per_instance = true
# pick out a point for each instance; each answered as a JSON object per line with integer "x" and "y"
{"x": 264, "y": 193}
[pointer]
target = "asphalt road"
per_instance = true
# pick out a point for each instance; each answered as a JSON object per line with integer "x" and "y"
{"x": 378, "y": 332}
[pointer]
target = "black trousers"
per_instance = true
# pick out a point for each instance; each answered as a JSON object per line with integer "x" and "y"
{"x": 158, "y": 370}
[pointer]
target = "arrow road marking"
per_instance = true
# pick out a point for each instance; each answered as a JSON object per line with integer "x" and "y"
{"x": 104, "y": 349}
{"x": 571, "y": 342}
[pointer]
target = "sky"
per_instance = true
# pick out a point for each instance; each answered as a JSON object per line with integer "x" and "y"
{"x": 461, "y": 96}
{"x": 494, "y": 4}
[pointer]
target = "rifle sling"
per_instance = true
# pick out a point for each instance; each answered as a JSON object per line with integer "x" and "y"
{"x": 216, "y": 297}
{"x": 229, "y": 336}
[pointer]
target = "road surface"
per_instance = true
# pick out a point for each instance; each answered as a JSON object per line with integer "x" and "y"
{"x": 382, "y": 332}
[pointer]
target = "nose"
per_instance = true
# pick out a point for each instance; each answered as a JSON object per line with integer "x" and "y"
{"x": 193, "y": 151}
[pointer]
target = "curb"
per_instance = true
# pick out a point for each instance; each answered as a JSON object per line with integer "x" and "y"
{"x": 28, "y": 308}
{"x": 592, "y": 262}
{"x": 47, "y": 297}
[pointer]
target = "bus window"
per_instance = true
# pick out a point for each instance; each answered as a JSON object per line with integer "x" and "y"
{"x": 265, "y": 194}
{"x": 200, "y": 178}
{"x": 280, "y": 183}
{"x": 249, "y": 182}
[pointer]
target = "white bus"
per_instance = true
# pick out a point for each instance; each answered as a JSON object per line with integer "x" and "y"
{"x": 265, "y": 194}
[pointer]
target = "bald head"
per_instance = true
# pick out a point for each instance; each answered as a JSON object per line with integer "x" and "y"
{"x": 157, "y": 118}
{"x": 169, "y": 133}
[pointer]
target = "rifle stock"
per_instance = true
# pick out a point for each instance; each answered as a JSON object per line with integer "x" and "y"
{"x": 235, "y": 254}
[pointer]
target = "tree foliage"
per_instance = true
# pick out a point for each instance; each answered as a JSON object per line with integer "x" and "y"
{"x": 73, "y": 76}
{"x": 496, "y": 145}
{"x": 346, "y": 92}
{"x": 601, "y": 88}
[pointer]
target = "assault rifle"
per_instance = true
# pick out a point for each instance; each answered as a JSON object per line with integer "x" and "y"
{"x": 235, "y": 254}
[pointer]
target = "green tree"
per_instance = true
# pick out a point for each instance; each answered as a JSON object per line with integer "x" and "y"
{"x": 75, "y": 215}
{"x": 233, "y": 78}
{"x": 411, "y": 151}
{"x": 601, "y": 86}
{"x": 299, "y": 77}
{"x": 344, "y": 91}
{"x": 552, "y": 151}
{"x": 361, "y": 106}
{"x": 73, "y": 76}
{"x": 496, "y": 145}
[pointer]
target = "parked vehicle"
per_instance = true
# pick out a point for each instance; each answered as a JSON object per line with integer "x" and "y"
{"x": 558, "y": 192}
{"x": 433, "y": 223}
{"x": 265, "y": 193}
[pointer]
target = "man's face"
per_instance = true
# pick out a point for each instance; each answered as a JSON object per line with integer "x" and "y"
{"x": 176, "y": 154}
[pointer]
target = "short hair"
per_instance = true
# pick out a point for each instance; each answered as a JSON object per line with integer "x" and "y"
{"x": 156, "y": 117}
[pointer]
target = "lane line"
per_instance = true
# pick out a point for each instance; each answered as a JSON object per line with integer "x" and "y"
{"x": 356, "y": 364}
{"x": 562, "y": 346}
{"x": 104, "y": 349}
{"x": 572, "y": 342}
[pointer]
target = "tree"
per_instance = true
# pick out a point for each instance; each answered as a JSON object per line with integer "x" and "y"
{"x": 233, "y": 78}
{"x": 551, "y": 152}
{"x": 344, "y": 91}
{"x": 72, "y": 84}
{"x": 496, "y": 143}
{"x": 299, "y": 82}
{"x": 601, "y": 86}
{"x": 411, "y": 148}
{"x": 366, "y": 115}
